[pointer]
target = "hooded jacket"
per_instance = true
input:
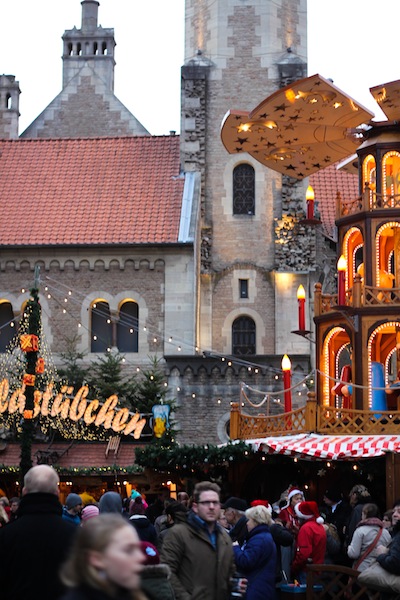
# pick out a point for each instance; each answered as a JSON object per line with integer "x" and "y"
{"x": 257, "y": 561}
{"x": 156, "y": 582}
{"x": 199, "y": 571}
{"x": 363, "y": 537}
{"x": 144, "y": 528}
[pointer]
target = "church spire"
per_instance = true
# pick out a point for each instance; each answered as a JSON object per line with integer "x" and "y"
{"x": 92, "y": 45}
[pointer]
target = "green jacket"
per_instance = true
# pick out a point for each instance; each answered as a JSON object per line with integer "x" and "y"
{"x": 156, "y": 583}
{"x": 198, "y": 570}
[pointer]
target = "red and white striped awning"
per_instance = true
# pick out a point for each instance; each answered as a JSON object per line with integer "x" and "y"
{"x": 328, "y": 447}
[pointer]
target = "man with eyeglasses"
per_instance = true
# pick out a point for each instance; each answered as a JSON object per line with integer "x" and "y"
{"x": 199, "y": 552}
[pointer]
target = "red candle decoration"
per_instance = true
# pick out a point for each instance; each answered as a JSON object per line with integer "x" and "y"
{"x": 301, "y": 299}
{"x": 287, "y": 377}
{"x": 310, "y": 202}
{"x": 342, "y": 266}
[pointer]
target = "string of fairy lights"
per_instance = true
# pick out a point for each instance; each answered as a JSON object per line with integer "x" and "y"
{"x": 67, "y": 299}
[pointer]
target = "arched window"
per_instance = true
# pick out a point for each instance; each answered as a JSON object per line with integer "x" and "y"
{"x": 101, "y": 327}
{"x": 243, "y": 336}
{"x": 7, "y": 329}
{"x": 243, "y": 190}
{"x": 127, "y": 328}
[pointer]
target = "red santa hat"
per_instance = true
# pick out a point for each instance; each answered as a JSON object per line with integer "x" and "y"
{"x": 292, "y": 492}
{"x": 308, "y": 510}
{"x": 262, "y": 503}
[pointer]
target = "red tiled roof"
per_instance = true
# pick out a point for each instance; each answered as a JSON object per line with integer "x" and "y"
{"x": 90, "y": 191}
{"x": 326, "y": 183}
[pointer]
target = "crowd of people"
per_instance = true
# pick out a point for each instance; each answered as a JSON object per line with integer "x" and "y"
{"x": 188, "y": 548}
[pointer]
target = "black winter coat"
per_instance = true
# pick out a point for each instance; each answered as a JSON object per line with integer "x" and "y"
{"x": 145, "y": 529}
{"x": 239, "y": 532}
{"x": 32, "y": 549}
{"x": 86, "y": 593}
{"x": 391, "y": 560}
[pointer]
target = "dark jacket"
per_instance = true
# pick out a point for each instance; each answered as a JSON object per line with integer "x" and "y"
{"x": 339, "y": 517}
{"x": 256, "y": 559}
{"x": 145, "y": 529}
{"x": 238, "y": 533}
{"x": 74, "y": 519}
{"x": 156, "y": 584}
{"x": 32, "y": 549}
{"x": 87, "y": 593}
{"x": 355, "y": 518}
{"x": 283, "y": 538}
{"x": 199, "y": 571}
{"x": 391, "y": 560}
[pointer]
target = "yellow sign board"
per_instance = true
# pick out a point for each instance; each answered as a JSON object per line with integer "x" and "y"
{"x": 51, "y": 404}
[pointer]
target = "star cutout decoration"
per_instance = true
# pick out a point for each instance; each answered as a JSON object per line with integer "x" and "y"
{"x": 321, "y": 117}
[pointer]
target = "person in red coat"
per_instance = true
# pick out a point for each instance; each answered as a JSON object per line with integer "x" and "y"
{"x": 311, "y": 540}
{"x": 287, "y": 515}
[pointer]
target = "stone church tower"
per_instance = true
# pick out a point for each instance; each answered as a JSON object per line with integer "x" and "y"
{"x": 236, "y": 52}
{"x": 86, "y": 106}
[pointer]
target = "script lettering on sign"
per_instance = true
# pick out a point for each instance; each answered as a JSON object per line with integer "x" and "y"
{"x": 61, "y": 404}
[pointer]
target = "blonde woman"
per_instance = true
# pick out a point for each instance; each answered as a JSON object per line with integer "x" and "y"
{"x": 256, "y": 559}
{"x": 105, "y": 562}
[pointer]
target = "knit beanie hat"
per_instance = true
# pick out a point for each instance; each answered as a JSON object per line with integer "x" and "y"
{"x": 135, "y": 494}
{"x": 151, "y": 553}
{"x": 333, "y": 494}
{"x": 89, "y": 511}
{"x": 110, "y": 502}
{"x": 72, "y": 501}
{"x": 308, "y": 510}
{"x": 292, "y": 492}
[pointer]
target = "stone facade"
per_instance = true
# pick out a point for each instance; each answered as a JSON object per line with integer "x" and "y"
{"x": 9, "y": 106}
{"x": 232, "y": 49}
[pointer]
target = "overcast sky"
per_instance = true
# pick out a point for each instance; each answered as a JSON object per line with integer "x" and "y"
{"x": 353, "y": 42}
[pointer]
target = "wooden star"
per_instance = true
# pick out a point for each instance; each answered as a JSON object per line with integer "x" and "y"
{"x": 281, "y": 107}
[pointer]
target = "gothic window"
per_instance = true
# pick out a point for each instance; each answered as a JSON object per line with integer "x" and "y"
{"x": 101, "y": 327}
{"x": 127, "y": 328}
{"x": 243, "y": 190}
{"x": 243, "y": 336}
{"x": 7, "y": 329}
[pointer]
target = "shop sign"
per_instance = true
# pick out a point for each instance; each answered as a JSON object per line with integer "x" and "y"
{"x": 62, "y": 404}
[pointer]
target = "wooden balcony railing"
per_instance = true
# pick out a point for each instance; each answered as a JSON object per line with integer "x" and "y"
{"x": 358, "y": 296}
{"x": 314, "y": 419}
{"x": 368, "y": 201}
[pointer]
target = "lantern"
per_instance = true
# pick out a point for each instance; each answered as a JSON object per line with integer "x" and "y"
{"x": 29, "y": 342}
{"x": 28, "y": 414}
{"x": 39, "y": 366}
{"x": 29, "y": 379}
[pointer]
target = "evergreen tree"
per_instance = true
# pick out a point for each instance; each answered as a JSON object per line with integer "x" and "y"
{"x": 151, "y": 390}
{"x": 106, "y": 376}
{"x": 73, "y": 371}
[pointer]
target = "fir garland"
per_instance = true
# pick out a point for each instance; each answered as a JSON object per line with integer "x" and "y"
{"x": 191, "y": 459}
{"x": 33, "y": 312}
{"x": 131, "y": 469}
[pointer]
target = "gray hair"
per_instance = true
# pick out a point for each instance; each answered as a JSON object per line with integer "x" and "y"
{"x": 41, "y": 478}
{"x": 260, "y": 514}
